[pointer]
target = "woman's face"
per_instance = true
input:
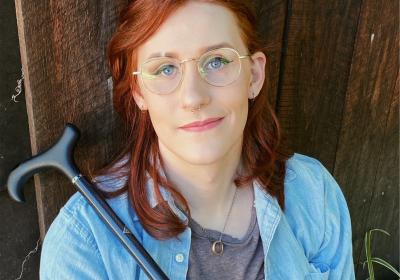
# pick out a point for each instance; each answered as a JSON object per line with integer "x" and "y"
{"x": 187, "y": 33}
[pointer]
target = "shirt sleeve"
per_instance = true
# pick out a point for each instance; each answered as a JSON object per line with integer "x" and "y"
{"x": 336, "y": 253}
{"x": 70, "y": 252}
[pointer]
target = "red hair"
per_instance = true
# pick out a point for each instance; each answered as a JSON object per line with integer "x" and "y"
{"x": 263, "y": 154}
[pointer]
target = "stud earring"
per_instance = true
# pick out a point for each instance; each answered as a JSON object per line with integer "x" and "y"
{"x": 251, "y": 100}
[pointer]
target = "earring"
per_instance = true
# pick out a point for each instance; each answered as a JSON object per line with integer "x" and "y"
{"x": 251, "y": 100}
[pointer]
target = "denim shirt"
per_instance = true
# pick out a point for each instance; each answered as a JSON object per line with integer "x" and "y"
{"x": 311, "y": 239}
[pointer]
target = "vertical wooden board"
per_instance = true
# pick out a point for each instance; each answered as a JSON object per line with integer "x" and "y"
{"x": 367, "y": 154}
{"x": 271, "y": 16}
{"x": 384, "y": 208}
{"x": 13, "y": 118}
{"x": 319, "y": 43}
{"x": 63, "y": 47}
{"x": 19, "y": 230}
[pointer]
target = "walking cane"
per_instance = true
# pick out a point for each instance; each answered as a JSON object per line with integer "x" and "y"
{"x": 60, "y": 156}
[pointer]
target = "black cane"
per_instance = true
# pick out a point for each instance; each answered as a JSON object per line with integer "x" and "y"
{"x": 60, "y": 156}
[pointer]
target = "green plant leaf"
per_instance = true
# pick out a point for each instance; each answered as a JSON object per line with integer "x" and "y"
{"x": 370, "y": 259}
{"x": 367, "y": 243}
{"x": 387, "y": 265}
{"x": 380, "y": 230}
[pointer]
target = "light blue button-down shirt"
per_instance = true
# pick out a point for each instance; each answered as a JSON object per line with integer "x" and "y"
{"x": 312, "y": 239}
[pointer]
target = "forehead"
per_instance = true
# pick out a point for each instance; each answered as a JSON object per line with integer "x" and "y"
{"x": 192, "y": 29}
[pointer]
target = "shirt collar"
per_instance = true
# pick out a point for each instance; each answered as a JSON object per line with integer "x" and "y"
{"x": 261, "y": 196}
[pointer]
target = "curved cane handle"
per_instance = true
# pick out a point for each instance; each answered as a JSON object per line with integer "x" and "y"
{"x": 60, "y": 156}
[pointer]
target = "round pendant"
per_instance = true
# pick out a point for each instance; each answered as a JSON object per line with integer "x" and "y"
{"x": 217, "y": 248}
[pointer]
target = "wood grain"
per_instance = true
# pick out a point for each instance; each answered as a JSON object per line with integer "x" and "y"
{"x": 63, "y": 47}
{"x": 367, "y": 153}
{"x": 319, "y": 47}
{"x": 338, "y": 102}
{"x": 271, "y": 16}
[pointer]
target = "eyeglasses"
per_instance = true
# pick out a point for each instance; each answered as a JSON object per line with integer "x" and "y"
{"x": 219, "y": 67}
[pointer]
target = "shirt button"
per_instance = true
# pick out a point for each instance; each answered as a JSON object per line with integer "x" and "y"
{"x": 179, "y": 257}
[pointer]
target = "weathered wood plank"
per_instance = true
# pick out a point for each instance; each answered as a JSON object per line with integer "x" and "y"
{"x": 63, "y": 56}
{"x": 384, "y": 207}
{"x": 319, "y": 46}
{"x": 271, "y": 16}
{"x": 13, "y": 119}
{"x": 19, "y": 230}
{"x": 367, "y": 154}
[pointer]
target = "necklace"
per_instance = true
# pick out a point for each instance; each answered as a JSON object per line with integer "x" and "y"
{"x": 217, "y": 247}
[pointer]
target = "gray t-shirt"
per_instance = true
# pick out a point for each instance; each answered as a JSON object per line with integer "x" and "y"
{"x": 242, "y": 258}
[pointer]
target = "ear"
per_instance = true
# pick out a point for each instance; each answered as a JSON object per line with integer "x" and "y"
{"x": 139, "y": 100}
{"x": 257, "y": 73}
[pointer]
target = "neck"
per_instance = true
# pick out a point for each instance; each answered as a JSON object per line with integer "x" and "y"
{"x": 208, "y": 188}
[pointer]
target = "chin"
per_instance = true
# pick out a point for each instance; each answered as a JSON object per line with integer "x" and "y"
{"x": 197, "y": 153}
{"x": 201, "y": 157}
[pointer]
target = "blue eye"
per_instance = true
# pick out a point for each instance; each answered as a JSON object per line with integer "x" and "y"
{"x": 166, "y": 70}
{"x": 216, "y": 63}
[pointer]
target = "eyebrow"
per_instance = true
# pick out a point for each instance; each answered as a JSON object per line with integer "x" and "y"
{"x": 201, "y": 50}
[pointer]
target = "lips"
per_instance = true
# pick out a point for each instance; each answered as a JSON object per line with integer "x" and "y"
{"x": 202, "y": 125}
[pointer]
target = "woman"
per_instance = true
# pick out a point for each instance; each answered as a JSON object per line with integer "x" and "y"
{"x": 203, "y": 181}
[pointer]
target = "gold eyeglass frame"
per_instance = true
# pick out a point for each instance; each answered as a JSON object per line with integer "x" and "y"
{"x": 181, "y": 64}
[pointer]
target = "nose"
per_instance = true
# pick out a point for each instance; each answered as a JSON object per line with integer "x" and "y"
{"x": 194, "y": 92}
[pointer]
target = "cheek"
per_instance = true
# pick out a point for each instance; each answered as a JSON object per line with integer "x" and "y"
{"x": 239, "y": 116}
{"x": 162, "y": 111}
{"x": 237, "y": 104}
{"x": 161, "y": 116}
{"x": 162, "y": 126}
{"x": 235, "y": 100}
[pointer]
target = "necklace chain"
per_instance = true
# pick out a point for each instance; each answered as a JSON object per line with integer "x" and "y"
{"x": 217, "y": 247}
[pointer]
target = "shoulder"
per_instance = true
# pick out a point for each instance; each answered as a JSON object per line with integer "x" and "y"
{"x": 73, "y": 215}
{"x": 68, "y": 240}
{"x": 308, "y": 178}
{"x": 304, "y": 190}
{"x": 315, "y": 190}
{"x": 77, "y": 237}
{"x": 317, "y": 212}
{"x": 314, "y": 202}
{"x": 78, "y": 212}
{"x": 80, "y": 216}
{"x": 305, "y": 166}
{"x": 72, "y": 221}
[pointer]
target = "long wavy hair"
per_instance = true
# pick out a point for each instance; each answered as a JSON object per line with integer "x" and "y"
{"x": 263, "y": 152}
